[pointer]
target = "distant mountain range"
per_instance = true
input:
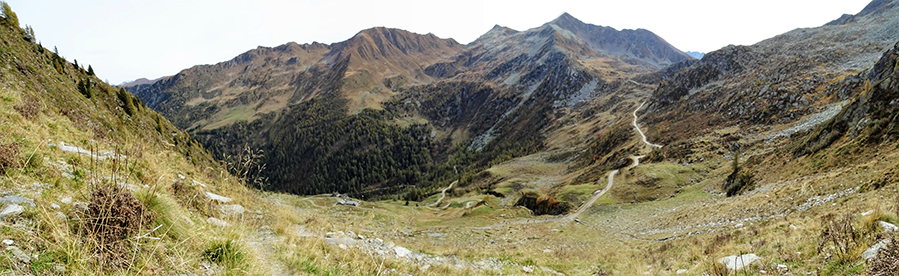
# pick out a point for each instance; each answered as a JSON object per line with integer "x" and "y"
{"x": 495, "y": 95}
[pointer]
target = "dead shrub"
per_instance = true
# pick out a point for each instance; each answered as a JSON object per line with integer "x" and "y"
{"x": 29, "y": 108}
{"x": 9, "y": 157}
{"x": 189, "y": 196}
{"x": 839, "y": 232}
{"x": 887, "y": 260}
{"x": 113, "y": 216}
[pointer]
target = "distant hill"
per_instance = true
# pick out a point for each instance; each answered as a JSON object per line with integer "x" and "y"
{"x": 697, "y": 55}
{"x": 136, "y": 82}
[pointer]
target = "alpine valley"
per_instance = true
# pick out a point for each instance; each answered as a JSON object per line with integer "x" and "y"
{"x": 565, "y": 149}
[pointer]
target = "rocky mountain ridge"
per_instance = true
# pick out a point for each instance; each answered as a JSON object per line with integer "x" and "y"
{"x": 779, "y": 79}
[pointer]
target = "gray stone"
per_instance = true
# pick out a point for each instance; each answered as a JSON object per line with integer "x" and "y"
{"x": 8, "y": 242}
{"x": 231, "y": 210}
{"x": 11, "y": 210}
{"x": 737, "y": 262}
{"x": 681, "y": 271}
{"x": 6, "y": 200}
{"x": 216, "y": 222}
{"x": 59, "y": 268}
{"x": 19, "y": 254}
{"x": 218, "y": 198}
{"x": 874, "y": 249}
{"x": 54, "y": 206}
{"x": 527, "y": 269}
{"x": 401, "y": 251}
{"x": 888, "y": 227}
{"x": 66, "y": 200}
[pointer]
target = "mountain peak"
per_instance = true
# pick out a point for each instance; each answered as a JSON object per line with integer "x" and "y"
{"x": 567, "y": 18}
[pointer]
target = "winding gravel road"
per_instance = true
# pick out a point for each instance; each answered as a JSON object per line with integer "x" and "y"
{"x": 443, "y": 193}
{"x": 596, "y": 195}
{"x": 651, "y": 145}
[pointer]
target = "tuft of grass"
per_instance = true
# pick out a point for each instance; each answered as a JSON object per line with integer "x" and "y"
{"x": 227, "y": 253}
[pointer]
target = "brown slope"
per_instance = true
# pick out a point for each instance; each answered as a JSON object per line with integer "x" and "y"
{"x": 270, "y": 79}
{"x": 378, "y": 53}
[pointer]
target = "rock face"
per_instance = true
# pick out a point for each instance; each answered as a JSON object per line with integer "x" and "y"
{"x": 872, "y": 113}
{"x": 639, "y": 44}
{"x": 777, "y": 80}
{"x": 737, "y": 262}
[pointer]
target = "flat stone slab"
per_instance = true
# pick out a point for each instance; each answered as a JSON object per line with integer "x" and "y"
{"x": 218, "y": 198}
{"x": 11, "y": 210}
{"x": 737, "y": 262}
{"x": 401, "y": 251}
{"x": 6, "y": 200}
{"x": 217, "y": 222}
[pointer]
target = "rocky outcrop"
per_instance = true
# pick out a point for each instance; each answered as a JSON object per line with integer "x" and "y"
{"x": 640, "y": 44}
{"x": 778, "y": 80}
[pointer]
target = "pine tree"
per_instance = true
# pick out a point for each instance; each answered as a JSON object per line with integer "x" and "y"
{"x": 84, "y": 86}
{"x": 90, "y": 70}
{"x": 127, "y": 101}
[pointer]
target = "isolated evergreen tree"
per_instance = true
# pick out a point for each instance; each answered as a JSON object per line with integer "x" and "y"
{"x": 127, "y": 101}
{"x": 90, "y": 70}
{"x": 75, "y": 62}
{"x": 84, "y": 86}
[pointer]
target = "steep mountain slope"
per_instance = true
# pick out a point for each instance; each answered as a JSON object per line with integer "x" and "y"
{"x": 93, "y": 181}
{"x": 777, "y": 80}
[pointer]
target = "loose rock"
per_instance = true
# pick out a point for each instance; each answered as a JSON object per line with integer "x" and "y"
{"x": 401, "y": 252}
{"x": 874, "y": 249}
{"x": 19, "y": 254}
{"x": 737, "y": 262}
{"x": 216, "y": 222}
{"x": 218, "y": 198}
{"x": 11, "y": 210}
{"x": 17, "y": 200}
{"x": 232, "y": 210}
{"x": 888, "y": 227}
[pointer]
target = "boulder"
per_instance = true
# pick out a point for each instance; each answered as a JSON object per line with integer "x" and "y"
{"x": 215, "y": 197}
{"x": 737, "y": 262}
{"x": 6, "y": 200}
{"x": 401, "y": 251}
{"x": 19, "y": 254}
{"x": 871, "y": 252}
{"x": 231, "y": 210}
{"x": 888, "y": 227}
{"x": 11, "y": 210}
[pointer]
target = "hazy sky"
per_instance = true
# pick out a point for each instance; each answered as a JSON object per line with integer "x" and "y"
{"x": 129, "y": 39}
